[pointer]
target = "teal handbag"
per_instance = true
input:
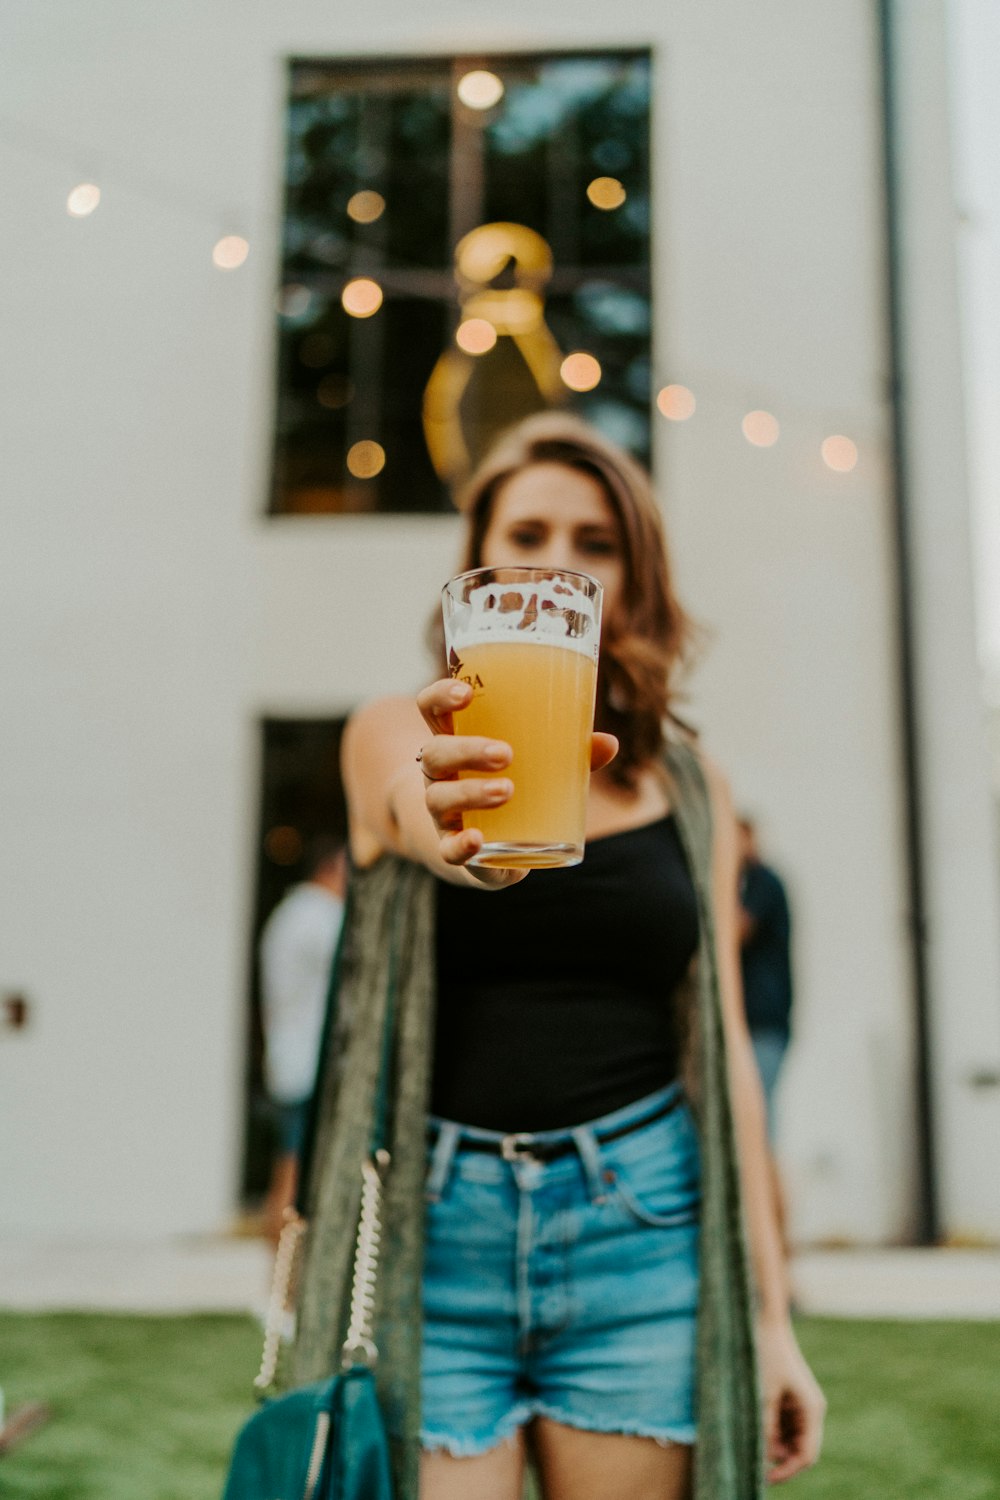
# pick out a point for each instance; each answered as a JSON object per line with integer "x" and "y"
{"x": 325, "y": 1441}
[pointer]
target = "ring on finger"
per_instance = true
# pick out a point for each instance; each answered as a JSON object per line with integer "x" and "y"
{"x": 420, "y": 762}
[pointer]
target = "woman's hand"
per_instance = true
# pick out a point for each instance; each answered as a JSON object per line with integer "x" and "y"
{"x": 447, "y": 754}
{"x": 794, "y": 1405}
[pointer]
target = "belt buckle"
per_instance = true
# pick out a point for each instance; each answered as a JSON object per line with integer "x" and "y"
{"x": 518, "y": 1147}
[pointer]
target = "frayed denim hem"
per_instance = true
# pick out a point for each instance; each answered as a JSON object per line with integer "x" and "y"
{"x": 684, "y": 1434}
{"x": 472, "y": 1447}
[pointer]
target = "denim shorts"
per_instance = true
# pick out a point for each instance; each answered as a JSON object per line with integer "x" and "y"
{"x": 565, "y": 1288}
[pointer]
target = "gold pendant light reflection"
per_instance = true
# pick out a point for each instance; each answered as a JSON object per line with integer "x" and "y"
{"x": 490, "y": 313}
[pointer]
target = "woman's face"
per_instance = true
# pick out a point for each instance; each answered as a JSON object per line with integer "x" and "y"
{"x": 552, "y": 516}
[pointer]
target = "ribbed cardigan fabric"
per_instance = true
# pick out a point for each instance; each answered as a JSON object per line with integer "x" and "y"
{"x": 386, "y": 966}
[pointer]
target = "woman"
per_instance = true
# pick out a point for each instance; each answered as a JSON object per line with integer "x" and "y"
{"x": 562, "y": 1263}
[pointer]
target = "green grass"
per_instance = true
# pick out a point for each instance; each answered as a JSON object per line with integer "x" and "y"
{"x": 914, "y": 1410}
{"x": 146, "y": 1408}
{"x": 143, "y": 1408}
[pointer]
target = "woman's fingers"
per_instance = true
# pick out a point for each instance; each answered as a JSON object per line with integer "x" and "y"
{"x": 440, "y": 700}
{"x": 448, "y": 800}
{"x": 794, "y": 1430}
{"x": 444, "y": 756}
{"x": 603, "y": 749}
{"x": 458, "y": 848}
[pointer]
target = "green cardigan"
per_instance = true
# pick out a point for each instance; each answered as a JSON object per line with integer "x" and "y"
{"x": 389, "y": 946}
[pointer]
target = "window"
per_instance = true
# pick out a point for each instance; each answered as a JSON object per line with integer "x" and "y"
{"x": 445, "y": 252}
{"x": 301, "y": 802}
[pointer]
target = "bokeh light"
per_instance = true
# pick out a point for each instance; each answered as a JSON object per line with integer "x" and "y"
{"x": 335, "y": 391}
{"x": 361, "y": 297}
{"x": 480, "y": 89}
{"x": 761, "y": 429}
{"x": 839, "y": 453}
{"x": 83, "y": 200}
{"x": 230, "y": 252}
{"x": 676, "y": 403}
{"x": 366, "y": 459}
{"x": 293, "y": 300}
{"x": 581, "y": 372}
{"x": 606, "y": 193}
{"x": 283, "y": 844}
{"x": 366, "y": 206}
{"x": 476, "y": 336}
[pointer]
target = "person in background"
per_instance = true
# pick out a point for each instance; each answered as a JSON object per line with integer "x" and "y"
{"x": 765, "y": 936}
{"x": 297, "y": 946}
{"x": 765, "y": 961}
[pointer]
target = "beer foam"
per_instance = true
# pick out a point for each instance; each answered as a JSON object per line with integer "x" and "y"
{"x": 549, "y": 612}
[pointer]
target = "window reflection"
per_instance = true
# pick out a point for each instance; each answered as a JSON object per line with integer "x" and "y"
{"x": 387, "y": 171}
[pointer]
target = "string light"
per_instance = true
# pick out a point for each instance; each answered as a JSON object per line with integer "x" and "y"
{"x": 761, "y": 429}
{"x": 366, "y": 206}
{"x": 676, "y": 403}
{"x": 839, "y": 453}
{"x": 230, "y": 252}
{"x": 366, "y": 459}
{"x": 83, "y": 200}
{"x": 606, "y": 193}
{"x": 475, "y": 336}
{"x": 361, "y": 297}
{"x": 480, "y": 89}
{"x": 581, "y": 372}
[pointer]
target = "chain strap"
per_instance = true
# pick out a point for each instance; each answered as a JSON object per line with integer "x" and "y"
{"x": 359, "y": 1345}
{"x": 292, "y": 1231}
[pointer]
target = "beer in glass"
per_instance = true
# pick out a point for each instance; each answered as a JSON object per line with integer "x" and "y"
{"x": 526, "y": 640}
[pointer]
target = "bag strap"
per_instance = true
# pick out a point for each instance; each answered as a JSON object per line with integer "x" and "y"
{"x": 359, "y": 1344}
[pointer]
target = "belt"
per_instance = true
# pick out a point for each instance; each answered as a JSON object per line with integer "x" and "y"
{"x": 524, "y": 1146}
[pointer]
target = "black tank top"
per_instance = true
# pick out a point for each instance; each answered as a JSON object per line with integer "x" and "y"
{"x": 554, "y": 997}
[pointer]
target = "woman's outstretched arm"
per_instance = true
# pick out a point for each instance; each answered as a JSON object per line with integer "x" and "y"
{"x": 415, "y": 806}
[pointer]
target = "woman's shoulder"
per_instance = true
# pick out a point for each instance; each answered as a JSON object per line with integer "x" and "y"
{"x": 688, "y": 750}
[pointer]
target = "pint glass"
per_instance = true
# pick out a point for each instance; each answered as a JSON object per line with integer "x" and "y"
{"x": 526, "y": 640}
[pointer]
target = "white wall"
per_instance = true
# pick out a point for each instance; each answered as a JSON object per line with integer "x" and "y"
{"x": 959, "y": 814}
{"x": 157, "y": 616}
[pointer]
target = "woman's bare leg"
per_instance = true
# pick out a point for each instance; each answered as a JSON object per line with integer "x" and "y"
{"x": 496, "y": 1475}
{"x": 578, "y": 1465}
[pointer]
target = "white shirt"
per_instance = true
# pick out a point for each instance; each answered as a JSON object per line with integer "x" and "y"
{"x": 297, "y": 947}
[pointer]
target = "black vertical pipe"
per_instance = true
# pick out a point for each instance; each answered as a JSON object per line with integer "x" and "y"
{"x": 928, "y": 1225}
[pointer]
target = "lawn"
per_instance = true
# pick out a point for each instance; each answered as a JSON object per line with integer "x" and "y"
{"x": 146, "y": 1408}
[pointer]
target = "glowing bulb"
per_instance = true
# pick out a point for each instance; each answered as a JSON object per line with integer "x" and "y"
{"x": 581, "y": 372}
{"x": 366, "y": 459}
{"x": 365, "y": 207}
{"x": 230, "y": 252}
{"x": 676, "y": 403}
{"x": 839, "y": 453}
{"x": 761, "y": 429}
{"x": 361, "y": 297}
{"x": 480, "y": 90}
{"x": 475, "y": 336}
{"x": 83, "y": 200}
{"x": 606, "y": 193}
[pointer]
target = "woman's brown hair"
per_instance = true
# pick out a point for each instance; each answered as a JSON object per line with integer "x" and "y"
{"x": 647, "y": 639}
